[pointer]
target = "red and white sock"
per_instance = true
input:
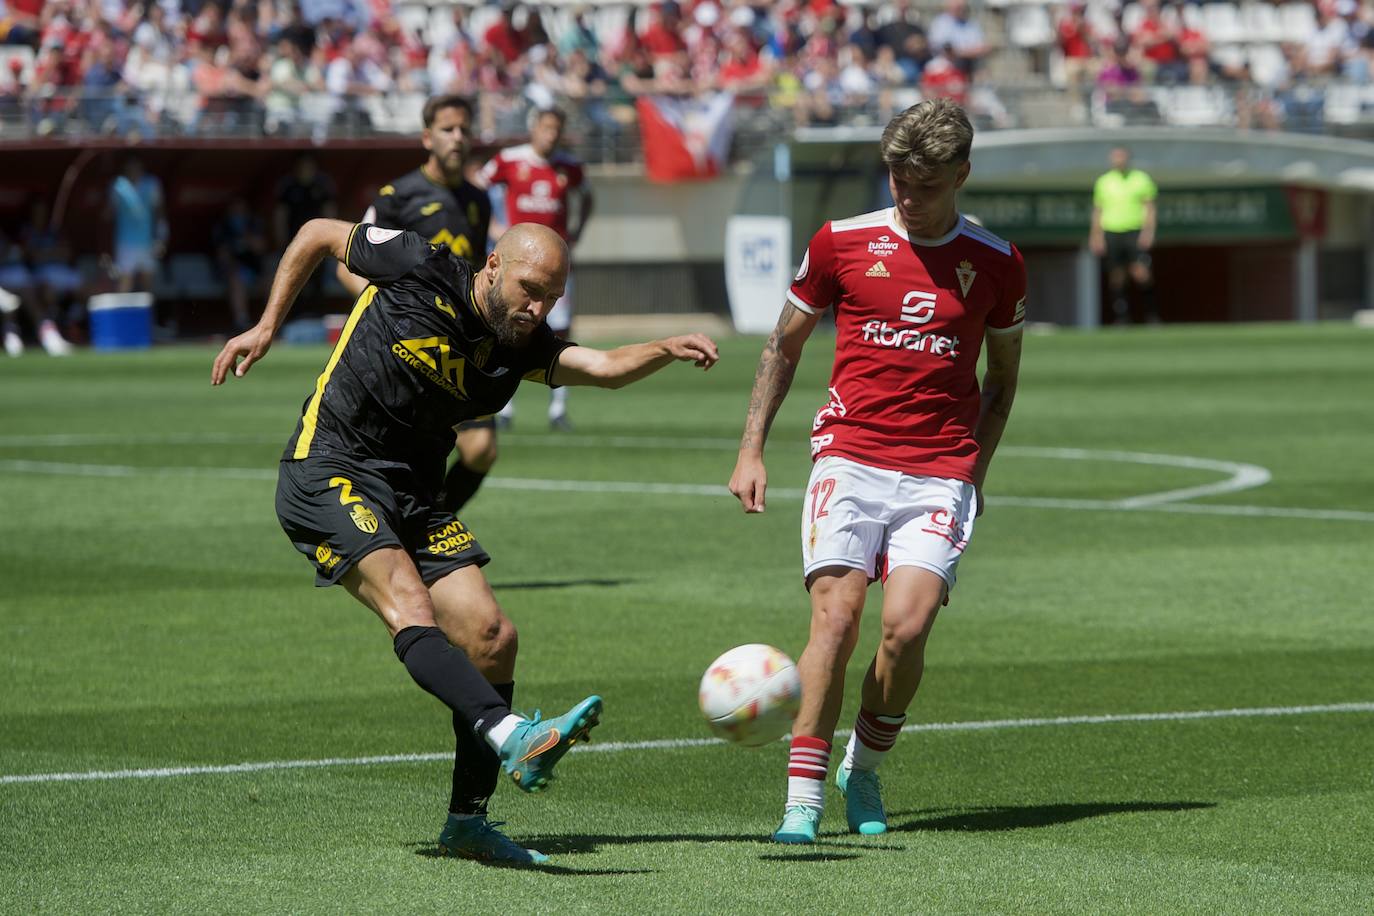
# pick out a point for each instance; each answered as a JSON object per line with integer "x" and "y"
{"x": 873, "y": 737}
{"x": 806, "y": 769}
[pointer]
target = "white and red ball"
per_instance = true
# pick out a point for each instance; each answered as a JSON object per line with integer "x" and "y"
{"x": 750, "y": 695}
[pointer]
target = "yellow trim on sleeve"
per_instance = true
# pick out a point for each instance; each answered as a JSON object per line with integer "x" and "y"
{"x": 348, "y": 245}
{"x": 312, "y": 410}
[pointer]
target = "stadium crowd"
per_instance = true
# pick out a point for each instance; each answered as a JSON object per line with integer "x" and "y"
{"x": 316, "y": 66}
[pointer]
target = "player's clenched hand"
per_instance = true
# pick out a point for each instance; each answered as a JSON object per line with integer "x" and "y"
{"x": 250, "y": 346}
{"x": 749, "y": 482}
{"x": 698, "y": 348}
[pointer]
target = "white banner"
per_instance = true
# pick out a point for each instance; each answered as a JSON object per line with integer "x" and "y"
{"x": 758, "y": 270}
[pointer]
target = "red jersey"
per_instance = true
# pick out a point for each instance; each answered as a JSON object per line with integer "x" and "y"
{"x": 910, "y": 317}
{"x": 536, "y": 188}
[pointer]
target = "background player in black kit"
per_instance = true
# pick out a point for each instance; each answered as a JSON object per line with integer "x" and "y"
{"x": 437, "y": 201}
{"x": 429, "y": 344}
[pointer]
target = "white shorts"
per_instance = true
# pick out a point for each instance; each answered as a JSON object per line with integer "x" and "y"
{"x": 132, "y": 259}
{"x": 560, "y": 316}
{"x": 877, "y": 520}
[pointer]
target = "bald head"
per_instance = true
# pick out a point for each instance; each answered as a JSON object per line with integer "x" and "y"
{"x": 536, "y": 245}
{"x": 522, "y": 279}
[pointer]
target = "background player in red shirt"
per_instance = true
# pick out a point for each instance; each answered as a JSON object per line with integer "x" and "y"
{"x": 547, "y": 186}
{"x": 901, "y": 448}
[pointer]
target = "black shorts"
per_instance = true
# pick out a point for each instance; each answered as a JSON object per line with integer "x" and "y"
{"x": 1123, "y": 249}
{"x": 337, "y": 510}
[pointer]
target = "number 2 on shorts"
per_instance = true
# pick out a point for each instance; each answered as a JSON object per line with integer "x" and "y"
{"x": 345, "y": 490}
{"x": 820, "y": 497}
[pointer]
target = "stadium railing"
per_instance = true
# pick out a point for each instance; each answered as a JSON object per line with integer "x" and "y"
{"x": 608, "y": 132}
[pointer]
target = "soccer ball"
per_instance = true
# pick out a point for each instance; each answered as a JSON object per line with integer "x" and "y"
{"x": 750, "y": 695}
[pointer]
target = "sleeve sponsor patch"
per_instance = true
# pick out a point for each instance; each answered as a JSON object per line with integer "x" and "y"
{"x": 805, "y": 266}
{"x": 377, "y": 235}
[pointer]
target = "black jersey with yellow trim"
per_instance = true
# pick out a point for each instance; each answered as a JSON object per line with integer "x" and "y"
{"x": 415, "y": 358}
{"x": 458, "y": 218}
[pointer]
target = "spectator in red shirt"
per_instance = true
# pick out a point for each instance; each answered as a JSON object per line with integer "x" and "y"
{"x": 1156, "y": 40}
{"x": 942, "y": 78}
{"x": 504, "y": 38}
{"x": 1078, "y": 43}
{"x": 743, "y": 70}
{"x": 663, "y": 37}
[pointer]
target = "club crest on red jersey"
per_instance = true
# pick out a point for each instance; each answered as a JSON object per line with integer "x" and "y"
{"x": 966, "y": 275}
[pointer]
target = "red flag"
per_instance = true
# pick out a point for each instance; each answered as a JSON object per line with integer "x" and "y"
{"x": 685, "y": 138}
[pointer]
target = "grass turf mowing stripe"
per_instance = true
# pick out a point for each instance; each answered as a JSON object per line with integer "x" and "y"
{"x": 713, "y": 490}
{"x": 680, "y": 743}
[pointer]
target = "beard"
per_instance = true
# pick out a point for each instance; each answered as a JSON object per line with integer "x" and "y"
{"x": 509, "y": 332}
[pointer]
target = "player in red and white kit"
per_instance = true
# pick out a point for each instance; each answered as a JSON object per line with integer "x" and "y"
{"x": 547, "y": 186}
{"x": 901, "y": 447}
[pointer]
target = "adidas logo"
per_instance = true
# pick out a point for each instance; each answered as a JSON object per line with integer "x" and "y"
{"x": 877, "y": 270}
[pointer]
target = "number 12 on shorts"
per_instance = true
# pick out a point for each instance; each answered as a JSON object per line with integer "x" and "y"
{"x": 820, "y": 497}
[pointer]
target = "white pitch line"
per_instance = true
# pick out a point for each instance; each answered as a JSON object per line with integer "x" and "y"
{"x": 693, "y": 489}
{"x": 1243, "y": 476}
{"x": 665, "y": 744}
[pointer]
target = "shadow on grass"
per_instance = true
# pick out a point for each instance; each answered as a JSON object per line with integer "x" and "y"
{"x": 558, "y": 583}
{"x": 809, "y": 857}
{"x": 432, "y": 851}
{"x": 1017, "y": 817}
{"x": 565, "y": 845}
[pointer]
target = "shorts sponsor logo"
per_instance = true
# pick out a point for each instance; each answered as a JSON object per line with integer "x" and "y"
{"x": 431, "y": 208}
{"x": 811, "y": 540}
{"x": 326, "y": 557}
{"x": 945, "y": 524}
{"x": 884, "y": 246}
{"x": 1020, "y": 309}
{"x": 364, "y": 518}
{"x": 450, "y": 539}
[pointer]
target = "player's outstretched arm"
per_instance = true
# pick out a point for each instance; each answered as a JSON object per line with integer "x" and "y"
{"x": 999, "y": 391}
{"x": 623, "y": 365}
{"x": 772, "y": 380}
{"x": 317, "y": 238}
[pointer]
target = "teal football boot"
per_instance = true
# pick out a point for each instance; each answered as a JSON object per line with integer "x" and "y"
{"x": 798, "y": 826}
{"x": 531, "y": 751}
{"x": 863, "y": 800}
{"x": 478, "y": 838}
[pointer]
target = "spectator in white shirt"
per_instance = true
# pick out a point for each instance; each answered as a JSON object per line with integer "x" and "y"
{"x": 956, "y": 30}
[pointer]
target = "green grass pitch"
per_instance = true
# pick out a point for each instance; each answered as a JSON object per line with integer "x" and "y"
{"x": 153, "y": 616}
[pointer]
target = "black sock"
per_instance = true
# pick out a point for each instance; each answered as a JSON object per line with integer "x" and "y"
{"x": 451, "y": 676}
{"x": 460, "y": 484}
{"x": 476, "y": 768}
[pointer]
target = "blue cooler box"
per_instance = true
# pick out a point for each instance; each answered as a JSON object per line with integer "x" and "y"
{"x": 121, "y": 321}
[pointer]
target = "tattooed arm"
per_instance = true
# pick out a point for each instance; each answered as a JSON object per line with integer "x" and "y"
{"x": 777, "y": 365}
{"x": 999, "y": 391}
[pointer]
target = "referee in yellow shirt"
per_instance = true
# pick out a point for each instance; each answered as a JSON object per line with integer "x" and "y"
{"x": 1123, "y": 232}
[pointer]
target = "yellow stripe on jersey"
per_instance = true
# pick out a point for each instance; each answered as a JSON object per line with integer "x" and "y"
{"x": 312, "y": 410}
{"x": 349, "y": 244}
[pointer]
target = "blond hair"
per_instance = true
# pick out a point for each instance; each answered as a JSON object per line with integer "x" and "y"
{"x": 926, "y": 136}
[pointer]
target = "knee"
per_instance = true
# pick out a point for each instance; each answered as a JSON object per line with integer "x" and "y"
{"x": 491, "y": 642}
{"x": 910, "y": 630}
{"x": 479, "y": 453}
{"x": 834, "y": 625}
{"x": 411, "y": 607}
